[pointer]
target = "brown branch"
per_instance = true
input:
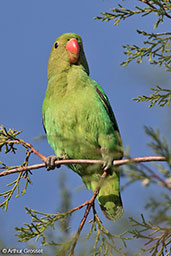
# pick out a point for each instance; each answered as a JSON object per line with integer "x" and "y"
{"x": 90, "y": 204}
{"x": 153, "y": 7}
{"x": 27, "y": 145}
{"x": 82, "y": 161}
{"x": 42, "y": 157}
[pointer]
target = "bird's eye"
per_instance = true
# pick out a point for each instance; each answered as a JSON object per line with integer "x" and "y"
{"x": 56, "y": 45}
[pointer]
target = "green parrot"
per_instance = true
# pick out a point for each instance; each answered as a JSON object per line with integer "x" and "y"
{"x": 79, "y": 122}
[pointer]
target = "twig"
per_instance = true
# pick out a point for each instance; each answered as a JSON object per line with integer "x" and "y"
{"x": 82, "y": 161}
{"x": 147, "y": 2}
{"x": 42, "y": 157}
{"x": 153, "y": 7}
{"x": 90, "y": 204}
{"x": 28, "y": 145}
{"x": 165, "y": 184}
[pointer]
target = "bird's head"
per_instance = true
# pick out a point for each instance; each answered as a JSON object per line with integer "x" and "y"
{"x": 67, "y": 50}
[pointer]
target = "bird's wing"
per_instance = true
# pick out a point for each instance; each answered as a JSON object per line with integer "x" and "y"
{"x": 108, "y": 108}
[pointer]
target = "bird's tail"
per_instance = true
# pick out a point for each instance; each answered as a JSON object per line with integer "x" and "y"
{"x": 109, "y": 195}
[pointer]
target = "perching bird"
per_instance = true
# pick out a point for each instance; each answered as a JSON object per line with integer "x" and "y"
{"x": 79, "y": 121}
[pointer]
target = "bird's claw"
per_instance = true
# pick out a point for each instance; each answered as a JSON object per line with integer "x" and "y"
{"x": 50, "y": 162}
{"x": 107, "y": 167}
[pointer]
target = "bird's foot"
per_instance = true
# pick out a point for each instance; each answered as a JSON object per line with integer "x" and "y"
{"x": 50, "y": 162}
{"x": 107, "y": 168}
{"x": 108, "y": 164}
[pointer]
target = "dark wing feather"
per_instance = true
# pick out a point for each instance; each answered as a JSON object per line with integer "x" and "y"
{"x": 43, "y": 125}
{"x": 108, "y": 108}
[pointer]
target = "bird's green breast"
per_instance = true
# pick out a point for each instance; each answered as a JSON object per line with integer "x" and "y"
{"x": 73, "y": 115}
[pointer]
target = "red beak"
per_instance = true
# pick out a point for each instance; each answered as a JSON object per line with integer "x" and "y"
{"x": 73, "y": 49}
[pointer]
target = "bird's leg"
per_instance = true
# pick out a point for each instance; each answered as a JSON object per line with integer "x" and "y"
{"x": 50, "y": 162}
{"x": 108, "y": 160}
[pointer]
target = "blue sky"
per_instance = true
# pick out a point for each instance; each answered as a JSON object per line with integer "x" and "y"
{"x": 28, "y": 30}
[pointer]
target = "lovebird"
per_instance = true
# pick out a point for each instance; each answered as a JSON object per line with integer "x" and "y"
{"x": 79, "y": 122}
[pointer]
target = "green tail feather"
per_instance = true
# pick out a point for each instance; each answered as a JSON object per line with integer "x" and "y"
{"x": 110, "y": 200}
{"x": 109, "y": 194}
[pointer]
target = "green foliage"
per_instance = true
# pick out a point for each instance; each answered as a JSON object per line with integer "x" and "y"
{"x": 160, "y": 97}
{"x": 159, "y": 145}
{"x": 158, "y": 238}
{"x": 39, "y": 225}
{"x": 104, "y": 242}
{"x": 156, "y": 232}
{"x": 157, "y": 46}
{"x": 8, "y": 141}
{"x": 157, "y": 50}
{"x": 145, "y": 174}
{"x": 160, "y": 208}
{"x": 15, "y": 187}
{"x": 160, "y": 8}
